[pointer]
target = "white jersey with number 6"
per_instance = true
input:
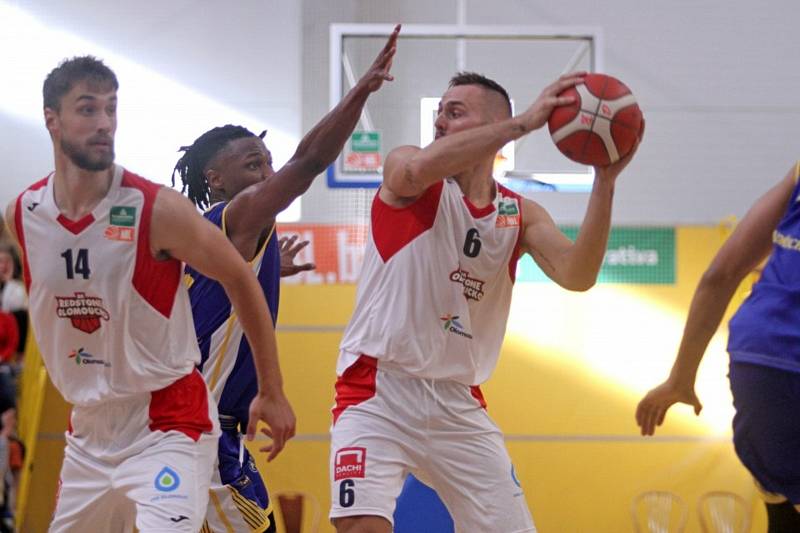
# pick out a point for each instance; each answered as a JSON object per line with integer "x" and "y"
{"x": 435, "y": 287}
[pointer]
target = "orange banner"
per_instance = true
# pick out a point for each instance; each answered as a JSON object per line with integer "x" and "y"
{"x": 336, "y": 249}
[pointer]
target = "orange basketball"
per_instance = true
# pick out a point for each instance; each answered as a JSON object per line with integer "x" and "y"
{"x": 601, "y": 126}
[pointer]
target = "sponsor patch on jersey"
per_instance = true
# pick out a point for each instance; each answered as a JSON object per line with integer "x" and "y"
{"x": 84, "y": 358}
{"x": 507, "y": 221}
{"x": 452, "y": 325}
{"x": 507, "y": 207}
{"x": 508, "y": 215}
{"x": 350, "y": 463}
{"x": 85, "y": 312}
{"x": 118, "y": 233}
{"x": 123, "y": 215}
{"x": 122, "y": 222}
{"x": 473, "y": 287}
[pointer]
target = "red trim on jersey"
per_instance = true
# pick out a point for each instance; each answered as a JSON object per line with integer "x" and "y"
{"x": 475, "y": 390}
{"x": 356, "y": 385}
{"x": 156, "y": 281}
{"x": 69, "y": 421}
{"x": 395, "y": 227}
{"x": 478, "y": 212}
{"x": 26, "y": 271}
{"x": 182, "y": 406}
{"x": 517, "y": 252}
{"x": 75, "y": 226}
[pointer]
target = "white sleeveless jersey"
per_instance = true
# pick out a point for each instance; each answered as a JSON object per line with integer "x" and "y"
{"x": 435, "y": 287}
{"x": 110, "y": 320}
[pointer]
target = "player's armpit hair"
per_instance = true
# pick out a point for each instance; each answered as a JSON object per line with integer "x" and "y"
{"x": 191, "y": 167}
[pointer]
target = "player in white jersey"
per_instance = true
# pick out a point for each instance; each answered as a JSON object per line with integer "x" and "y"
{"x": 431, "y": 311}
{"x": 102, "y": 263}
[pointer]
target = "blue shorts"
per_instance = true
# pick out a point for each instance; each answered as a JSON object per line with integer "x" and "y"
{"x": 238, "y": 496}
{"x": 766, "y": 427}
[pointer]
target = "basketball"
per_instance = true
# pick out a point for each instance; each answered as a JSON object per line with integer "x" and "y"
{"x": 601, "y": 126}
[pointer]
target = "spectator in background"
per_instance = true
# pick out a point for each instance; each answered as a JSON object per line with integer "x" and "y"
{"x": 12, "y": 290}
{"x": 13, "y": 297}
{"x": 13, "y": 323}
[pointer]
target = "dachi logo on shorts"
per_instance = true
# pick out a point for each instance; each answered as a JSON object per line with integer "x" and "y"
{"x": 83, "y": 358}
{"x": 473, "y": 287}
{"x": 167, "y": 480}
{"x": 350, "y": 463}
{"x": 83, "y": 311}
{"x": 452, "y": 325}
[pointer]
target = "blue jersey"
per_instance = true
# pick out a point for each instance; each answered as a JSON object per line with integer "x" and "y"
{"x": 226, "y": 359}
{"x": 766, "y": 328}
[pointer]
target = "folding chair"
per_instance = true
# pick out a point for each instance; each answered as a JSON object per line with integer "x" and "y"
{"x": 659, "y": 512}
{"x": 723, "y": 512}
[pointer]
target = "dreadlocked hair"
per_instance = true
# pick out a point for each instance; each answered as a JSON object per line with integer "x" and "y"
{"x": 191, "y": 166}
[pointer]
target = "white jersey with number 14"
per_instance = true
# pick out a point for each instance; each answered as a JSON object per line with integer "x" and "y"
{"x": 110, "y": 320}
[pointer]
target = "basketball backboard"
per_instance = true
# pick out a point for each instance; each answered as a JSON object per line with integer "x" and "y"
{"x": 524, "y": 59}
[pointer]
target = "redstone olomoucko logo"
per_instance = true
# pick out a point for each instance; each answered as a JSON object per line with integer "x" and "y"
{"x": 85, "y": 312}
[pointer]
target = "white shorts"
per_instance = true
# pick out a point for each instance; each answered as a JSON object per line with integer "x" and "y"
{"x": 145, "y": 460}
{"x": 387, "y": 426}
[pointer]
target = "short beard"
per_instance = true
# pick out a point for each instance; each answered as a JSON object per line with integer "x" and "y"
{"x": 82, "y": 159}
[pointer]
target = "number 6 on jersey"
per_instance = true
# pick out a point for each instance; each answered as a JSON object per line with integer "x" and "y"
{"x": 472, "y": 243}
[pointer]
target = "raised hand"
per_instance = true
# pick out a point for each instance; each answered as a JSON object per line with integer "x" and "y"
{"x": 379, "y": 71}
{"x": 537, "y": 114}
{"x": 289, "y": 250}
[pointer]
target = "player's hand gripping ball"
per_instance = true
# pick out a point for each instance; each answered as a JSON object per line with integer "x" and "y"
{"x": 601, "y": 126}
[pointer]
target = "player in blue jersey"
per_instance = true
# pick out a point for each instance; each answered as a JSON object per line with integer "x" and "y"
{"x": 764, "y": 347}
{"x": 228, "y": 171}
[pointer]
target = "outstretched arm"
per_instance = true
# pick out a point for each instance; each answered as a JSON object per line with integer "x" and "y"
{"x": 409, "y": 170}
{"x": 256, "y": 207}
{"x": 747, "y": 246}
{"x": 179, "y": 231}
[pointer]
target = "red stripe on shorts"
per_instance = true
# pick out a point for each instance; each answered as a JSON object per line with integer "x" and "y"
{"x": 182, "y": 406}
{"x": 355, "y": 385}
{"x": 478, "y": 395}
